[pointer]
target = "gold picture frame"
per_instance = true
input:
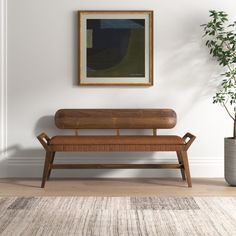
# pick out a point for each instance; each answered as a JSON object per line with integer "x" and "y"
{"x": 116, "y": 48}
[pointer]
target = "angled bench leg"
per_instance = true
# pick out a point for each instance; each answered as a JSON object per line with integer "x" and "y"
{"x": 48, "y": 159}
{"x": 50, "y": 167}
{"x": 186, "y": 167}
{"x": 181, "y": 162}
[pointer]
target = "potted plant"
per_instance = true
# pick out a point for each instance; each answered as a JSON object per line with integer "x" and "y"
{"x": 221, "y": 41}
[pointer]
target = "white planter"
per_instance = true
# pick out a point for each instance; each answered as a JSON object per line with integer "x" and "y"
{"x": 230, "y": 161}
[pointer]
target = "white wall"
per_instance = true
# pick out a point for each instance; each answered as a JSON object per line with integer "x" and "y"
{"x": 42, "y": 77}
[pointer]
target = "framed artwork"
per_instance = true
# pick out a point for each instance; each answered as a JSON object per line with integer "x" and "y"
{"x": 116, "y": 48}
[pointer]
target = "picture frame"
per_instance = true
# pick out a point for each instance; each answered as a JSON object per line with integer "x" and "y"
{"x": 116, "y": 48}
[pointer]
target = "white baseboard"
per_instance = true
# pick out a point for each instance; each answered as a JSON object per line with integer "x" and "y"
{"x": 33, "y": 167}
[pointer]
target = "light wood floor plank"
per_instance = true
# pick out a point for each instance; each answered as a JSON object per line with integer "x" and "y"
{"x": 116, "y": 187}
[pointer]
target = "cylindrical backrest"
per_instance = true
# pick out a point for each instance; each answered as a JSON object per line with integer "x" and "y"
{"x": 115, "y": 118}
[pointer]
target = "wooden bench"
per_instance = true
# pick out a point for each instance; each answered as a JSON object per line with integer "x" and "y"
{"x": 116, "y": 119}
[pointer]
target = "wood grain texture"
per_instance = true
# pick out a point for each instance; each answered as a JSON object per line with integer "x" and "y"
{"x": 184, "y": 157}
{"x": 115, "y": 187}
{"x": 50, "y": 165}
{"x": 48, "y": 159}
{"x": 116, "y": 166}
{"x": 115, "y": 118}
{"x": 181, "y": 162}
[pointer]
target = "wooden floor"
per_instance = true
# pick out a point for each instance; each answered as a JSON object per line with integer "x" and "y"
{"x": 116, "y": 187}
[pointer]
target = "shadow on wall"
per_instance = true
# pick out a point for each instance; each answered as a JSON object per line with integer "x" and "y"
{"x": 16, "y": 152}
{"x": 187, "y": 69}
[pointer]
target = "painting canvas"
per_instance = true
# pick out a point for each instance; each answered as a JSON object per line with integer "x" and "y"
{"x": 115, "y": 48}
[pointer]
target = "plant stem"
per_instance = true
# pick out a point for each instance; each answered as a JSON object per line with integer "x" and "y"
{"x": 234, "y": 129}
{"x": 234, "y": 119}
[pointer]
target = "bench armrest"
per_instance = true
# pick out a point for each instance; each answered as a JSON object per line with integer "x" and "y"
{"x": 190, "y": 141}
{"x": 44, "y": 140}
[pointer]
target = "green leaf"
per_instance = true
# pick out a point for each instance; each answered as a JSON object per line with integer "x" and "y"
{"x": 221, "y": 41}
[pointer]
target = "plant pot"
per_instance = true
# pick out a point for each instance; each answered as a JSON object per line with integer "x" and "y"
{"x": 230, "y": 161}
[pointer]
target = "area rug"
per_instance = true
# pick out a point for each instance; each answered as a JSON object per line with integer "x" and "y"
{"x": 118, "y": 216}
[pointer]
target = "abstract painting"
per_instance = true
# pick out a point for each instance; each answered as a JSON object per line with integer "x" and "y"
{"x": 115, "y": 48}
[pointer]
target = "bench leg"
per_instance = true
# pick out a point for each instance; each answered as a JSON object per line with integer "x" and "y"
{"x": 181, "y": 162}
{"x": 50, "y": 168}
{"x": 186, "y": 167}
{"x": 46, "y": 167}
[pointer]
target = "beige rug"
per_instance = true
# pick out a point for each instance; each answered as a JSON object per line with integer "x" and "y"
{"x": 126, "y": 216}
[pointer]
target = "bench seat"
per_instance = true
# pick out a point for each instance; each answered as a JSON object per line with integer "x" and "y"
{"x": 134, "y": 139}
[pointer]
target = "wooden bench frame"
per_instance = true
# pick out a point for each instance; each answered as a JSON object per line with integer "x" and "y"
{"x": 181, "y": 151}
